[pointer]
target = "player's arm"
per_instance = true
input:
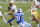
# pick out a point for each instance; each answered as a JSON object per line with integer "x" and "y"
{"x": 22, "y": 15}
{"x": 22, "y": 18}
{"x": 32, "y": 6}
{"x": 10, "y": 13}
{"x": 38, "y": 7}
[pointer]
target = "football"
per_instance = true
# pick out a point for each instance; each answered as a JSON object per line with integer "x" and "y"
{"x": 8, "y": 8}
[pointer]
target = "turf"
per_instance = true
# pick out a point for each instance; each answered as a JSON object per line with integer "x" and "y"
{"x": 24, "y": 7}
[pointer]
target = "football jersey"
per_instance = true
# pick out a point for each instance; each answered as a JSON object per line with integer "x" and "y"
{"x": 14, "y": 8}
{"x": 18, "y": 17}
{"x": 34, "y": 7}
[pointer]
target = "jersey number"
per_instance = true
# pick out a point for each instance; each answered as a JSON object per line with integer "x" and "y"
{"x": 17, "y": 18}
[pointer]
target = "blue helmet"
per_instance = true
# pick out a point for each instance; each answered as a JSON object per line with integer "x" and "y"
{"x": 19, "y": 10}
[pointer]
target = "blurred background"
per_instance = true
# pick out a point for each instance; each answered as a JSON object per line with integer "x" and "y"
{"x": 18, "y": 0}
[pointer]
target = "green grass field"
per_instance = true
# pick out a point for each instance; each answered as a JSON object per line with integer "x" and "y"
{"x": 24, "y": 6}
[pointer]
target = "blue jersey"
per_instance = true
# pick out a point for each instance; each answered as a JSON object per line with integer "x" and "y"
{"x": 18, "y": 17}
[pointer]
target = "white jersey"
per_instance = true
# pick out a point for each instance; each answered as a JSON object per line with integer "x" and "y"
{"x": 34, "y": 7}
{"x": 14, "y": 8}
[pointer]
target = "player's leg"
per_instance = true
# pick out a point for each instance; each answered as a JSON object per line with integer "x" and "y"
{"x": 29, "y": 19}
{"x": 2, "y": 17}
{"x": 24, "y": 25}
{"x": 31, "y": 15}
{"x": 27, "y": 24}
{"x": 36, "y": 18}
{"x": 21, "y": 25}
{"x": 37, "y": 23}
{"x": 11, "y": 24}
{"x": 10, "y": 19}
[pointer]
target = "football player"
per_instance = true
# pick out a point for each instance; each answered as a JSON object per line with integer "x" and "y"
{"x": 19, "y": 19}
{"x": 2, "y": 17}
{"x": 11, "y": 7}
{"x": 35, "y": 15}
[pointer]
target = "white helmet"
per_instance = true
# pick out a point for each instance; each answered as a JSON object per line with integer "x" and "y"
{"x": 34, "y": 0}
{"x": 11, "y": 1}
{"x": 19, "y": 10}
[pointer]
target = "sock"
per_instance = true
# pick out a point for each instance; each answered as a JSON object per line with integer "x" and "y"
{"x": 4, "y": 20}
{"x": 11, "y": 26}
{"x": 30, "y": 20}
{"x": 37, "y": 25}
